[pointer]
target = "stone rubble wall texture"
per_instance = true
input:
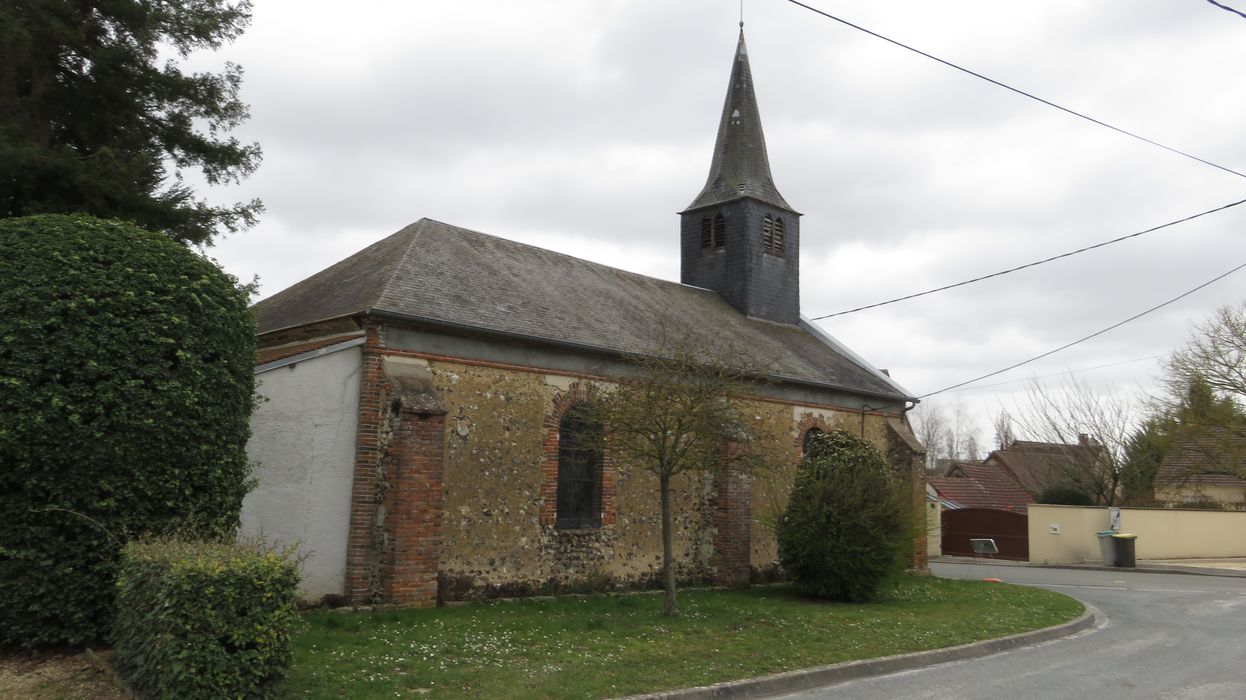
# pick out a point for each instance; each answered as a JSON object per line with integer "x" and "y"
{"x": 456, "y": 500}
{"x": 498, "y": 486}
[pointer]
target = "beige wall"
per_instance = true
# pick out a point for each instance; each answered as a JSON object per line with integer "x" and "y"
{"x": 934, "y": 528}
{"x": 1162, "y": 533}
{"x": 1065, "y": 534}
{"x": 1187, "y": 493}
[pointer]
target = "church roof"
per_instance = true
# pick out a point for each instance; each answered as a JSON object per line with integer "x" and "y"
{"x": 438, "y": 273}
{"x": 740, "y": 167}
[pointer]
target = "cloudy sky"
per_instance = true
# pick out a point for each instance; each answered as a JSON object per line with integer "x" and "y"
{"x": 583, "y": 126}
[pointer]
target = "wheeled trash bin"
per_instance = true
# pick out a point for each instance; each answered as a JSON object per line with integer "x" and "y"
{"x": 1107, "y": 548}
{"x": 1125, "y": 550}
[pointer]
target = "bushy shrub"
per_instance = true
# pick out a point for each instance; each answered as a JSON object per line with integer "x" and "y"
{"x": 204, "y": 620}
{"x": 1065, "y": 495}
{"x": 126, "y": 388}
{"x": 846, "y": 526}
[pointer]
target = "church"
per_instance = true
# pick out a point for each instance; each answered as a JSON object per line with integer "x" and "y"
{"x": 414, "y": 395}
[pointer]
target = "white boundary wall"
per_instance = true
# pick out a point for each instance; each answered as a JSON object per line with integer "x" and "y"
{"x": 303, "y": 439}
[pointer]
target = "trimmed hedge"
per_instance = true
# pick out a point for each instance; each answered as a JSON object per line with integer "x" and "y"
{"x": 126, "y": 388}
{"x": 847, "y": 526}
{"x": 204, "y": 620}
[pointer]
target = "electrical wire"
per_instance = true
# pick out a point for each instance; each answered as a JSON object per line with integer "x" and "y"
{"x": 1059, "y": 374}
{"x": 1066, "y": 346}
{"x": 1031, "y": 264}
{"x": 1023, "y": 93}
{"x": 1226, "y": 7}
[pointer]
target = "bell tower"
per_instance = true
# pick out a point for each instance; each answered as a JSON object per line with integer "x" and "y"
{"x": 739, "y": 237}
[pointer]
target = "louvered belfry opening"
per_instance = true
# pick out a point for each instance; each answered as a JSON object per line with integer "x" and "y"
{"x": 720, "y": 231}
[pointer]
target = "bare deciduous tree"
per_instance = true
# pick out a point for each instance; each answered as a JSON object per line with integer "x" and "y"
{"x": 1080, "y": 416}
{"x": 677, "y": 414}
{"x": 1215, "y": 354}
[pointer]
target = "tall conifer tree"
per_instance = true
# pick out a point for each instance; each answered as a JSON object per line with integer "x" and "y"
{"x": 93, "y": 120}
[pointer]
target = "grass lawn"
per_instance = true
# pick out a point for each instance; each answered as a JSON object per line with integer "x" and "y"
{"x": 604, "y": 646}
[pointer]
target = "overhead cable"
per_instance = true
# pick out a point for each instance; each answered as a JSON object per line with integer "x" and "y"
{"x": 1023, "y": 93}
{"x": 1031, "y": 264}
{"x": 1066, "y": 346}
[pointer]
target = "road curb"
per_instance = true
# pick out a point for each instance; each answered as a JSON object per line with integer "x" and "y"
{"x": 794, "y": 681}
{"x": 1144, "y": 569}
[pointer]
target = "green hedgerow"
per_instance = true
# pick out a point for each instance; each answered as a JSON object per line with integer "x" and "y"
{"x": 126, "y": 388}
{"x": 205, "y": 620}
{"x": 846, "y": 528}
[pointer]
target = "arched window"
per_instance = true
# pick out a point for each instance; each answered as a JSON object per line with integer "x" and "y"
{"x": 809, "y": 437}
{"x": 579, "y": 470}
{"x": 720, "y": 231}
{"x": 706, "y": 239}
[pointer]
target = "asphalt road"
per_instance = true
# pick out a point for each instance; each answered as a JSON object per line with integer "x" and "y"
{"x": 1166, "y": 636}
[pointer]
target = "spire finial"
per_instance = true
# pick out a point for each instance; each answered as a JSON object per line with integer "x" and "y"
{"x": 741, "y": 15}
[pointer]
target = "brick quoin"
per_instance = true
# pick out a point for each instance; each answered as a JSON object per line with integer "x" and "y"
{"x": 373, "y": 397}
{"x": 733, "y": 497}
{"x": 413, "y": 509}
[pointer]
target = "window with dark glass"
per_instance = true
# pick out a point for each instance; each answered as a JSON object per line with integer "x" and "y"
{"x": 720, "y": 231}
{"x": 809, "y": 437}
{"x": 706, "y": 226}
{"x": 579, "y": 471}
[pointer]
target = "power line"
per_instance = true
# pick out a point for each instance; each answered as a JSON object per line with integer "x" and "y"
{"x": 1031, "y": 264}
{"x": 1060, "y": 374}
{"x": 1066, "y": 346}
{"x": 1226, "y": 7}
{"x": 1023, "y": 93}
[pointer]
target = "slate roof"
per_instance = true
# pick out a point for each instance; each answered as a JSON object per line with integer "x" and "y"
{"x": 1037, "y": 465}
{"x": 740, "y": 167}
{"x": 436, "y": 272}
{"x": 1214, "y": 458}
{"x": 970, "y": 485}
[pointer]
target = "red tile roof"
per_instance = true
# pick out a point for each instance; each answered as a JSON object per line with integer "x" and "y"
{"x": 971, "y": 485}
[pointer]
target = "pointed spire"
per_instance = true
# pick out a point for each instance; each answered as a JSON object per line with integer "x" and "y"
{"x": 740, "y": 167}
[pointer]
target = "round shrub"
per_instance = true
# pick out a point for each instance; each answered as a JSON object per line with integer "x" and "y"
{"x": 845, "y": 529}
{"x": 126, "y": 388}
{"x": 1065, "y": 495}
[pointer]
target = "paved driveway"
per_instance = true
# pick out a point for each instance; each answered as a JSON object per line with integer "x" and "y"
{"x": 1167, "y": 636}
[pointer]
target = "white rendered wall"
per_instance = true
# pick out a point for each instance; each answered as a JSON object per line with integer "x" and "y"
{"x": 303, "y": 438}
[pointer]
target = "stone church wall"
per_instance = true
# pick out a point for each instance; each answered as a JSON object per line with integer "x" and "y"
{"x": 497, "y": 535}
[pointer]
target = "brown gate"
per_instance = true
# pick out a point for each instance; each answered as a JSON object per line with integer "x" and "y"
{"x": 1009, "y": 530}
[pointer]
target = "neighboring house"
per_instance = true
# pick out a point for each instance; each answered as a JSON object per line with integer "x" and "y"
{"x": 1035, "y": 466}
{"x": 971, "y": 485}
{"x": 419, "y": 396}
{"x": 1204, "y": 467}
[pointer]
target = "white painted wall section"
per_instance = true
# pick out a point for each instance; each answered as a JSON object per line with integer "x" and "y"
{"x": 303, "y": 438}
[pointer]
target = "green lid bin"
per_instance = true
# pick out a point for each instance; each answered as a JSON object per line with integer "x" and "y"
{"x": 1107, "y": 548}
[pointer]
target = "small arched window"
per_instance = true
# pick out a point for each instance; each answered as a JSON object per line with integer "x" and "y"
{"x": 706, "y": 231}
{"x": 810, "y": 435}
{"x": 579, "y": 470}
{"x": 720, "y": 231}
